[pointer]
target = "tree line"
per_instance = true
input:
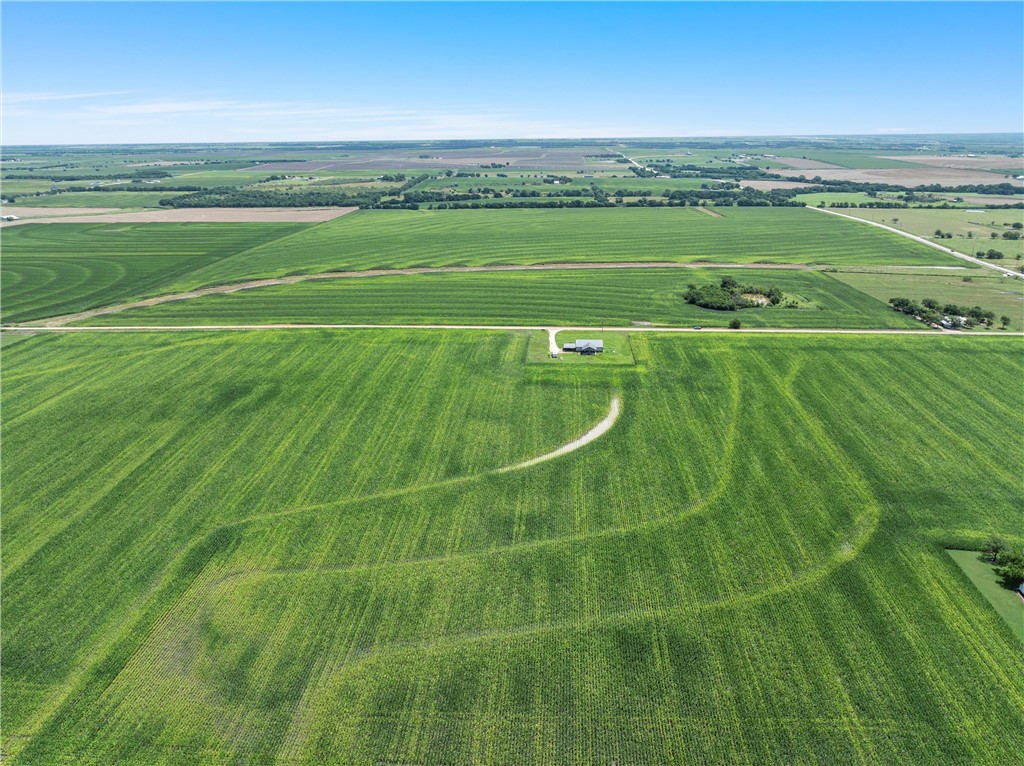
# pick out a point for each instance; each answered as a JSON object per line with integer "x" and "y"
{"x": 931, "y": 311}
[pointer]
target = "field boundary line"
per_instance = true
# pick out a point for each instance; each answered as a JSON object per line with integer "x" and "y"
{"x": 922, "y": 240}
{"x": 502, "y": 328}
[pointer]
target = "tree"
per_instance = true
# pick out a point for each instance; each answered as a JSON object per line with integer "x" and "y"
{"x": 735, "y": 324}
{"x": 995, "y": 546}
{"x": 1010, "y": 567}
{"x": 1005, "y": 321}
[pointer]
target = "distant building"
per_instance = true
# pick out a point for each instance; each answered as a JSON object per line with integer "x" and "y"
{"x": 8, "y": 218}
{"x": 585, "y": 347}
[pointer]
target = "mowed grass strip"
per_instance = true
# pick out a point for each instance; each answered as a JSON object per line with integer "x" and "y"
{"x": 61, "y": 268}
{"x": 396, "y": 239}
{"x": 745, "y": 570}
{"x": 614, "y": 297}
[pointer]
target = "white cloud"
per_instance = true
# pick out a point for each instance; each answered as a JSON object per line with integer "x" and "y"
{"x": 114, "y": 119}
{"x": 27, "y": 98}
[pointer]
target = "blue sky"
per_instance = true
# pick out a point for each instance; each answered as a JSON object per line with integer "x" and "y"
{"x": 158, "y": 72}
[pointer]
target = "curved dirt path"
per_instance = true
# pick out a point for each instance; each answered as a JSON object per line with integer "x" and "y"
{"x": 922, "y": 240}
{"x": 575, "y": 444}
{"x": 251, "y": 284}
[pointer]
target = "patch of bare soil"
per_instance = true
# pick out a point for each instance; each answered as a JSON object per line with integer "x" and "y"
{"x": 207, "y": 215}
{"x": 911, "y": 177}
{"x": 711, "y": 213}
{"x": 769, "y": 185}
{"x": 981, "y": 162}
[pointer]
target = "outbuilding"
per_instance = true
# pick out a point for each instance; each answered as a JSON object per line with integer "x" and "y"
{"x": 585, "y": 347}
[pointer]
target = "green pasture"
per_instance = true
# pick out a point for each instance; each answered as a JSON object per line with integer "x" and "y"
{"x": 613, "y": 297}
{"x": 298, "y": 547}
{"x": 396, "y": 239}
{"x": 63, "y": 268}
{"x": 972, "y": 228}
{"x": 986, "y": 288}
{"x": 119, "y": 199}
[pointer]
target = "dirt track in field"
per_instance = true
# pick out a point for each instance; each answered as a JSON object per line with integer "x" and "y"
{"x": 711, "y": 213}
{"x": 595, "y": 432}
{"x": 197, "y": 215}
{"x": 257, "y": 283}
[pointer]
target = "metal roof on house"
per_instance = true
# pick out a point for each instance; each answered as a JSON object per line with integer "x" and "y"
{"x": 595, "y": 344}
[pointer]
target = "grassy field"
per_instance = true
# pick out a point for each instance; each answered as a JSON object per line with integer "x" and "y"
{"x": 847, "y": 158}
{"x": 395, "y": 239}
{"x": 979, "y": 224}
{"x": 983, "y": 575}
{"x": 613, "y": 297}
{"x": 124, "y": 199}
{"x": 987, "y": 289}
{"x": 61, "y": 268}
{"x": 292, "y": 547}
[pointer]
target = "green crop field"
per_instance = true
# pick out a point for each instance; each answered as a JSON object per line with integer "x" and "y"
{"x": 395, "y": 239}
{"x": 297, "y": 547}
{"x": 114, "y": 198}
{"x": 62, "y": 268}
{"x": 577, "y": 296}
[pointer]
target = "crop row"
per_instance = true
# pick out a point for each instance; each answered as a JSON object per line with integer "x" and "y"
{"x": 740, "y": 571}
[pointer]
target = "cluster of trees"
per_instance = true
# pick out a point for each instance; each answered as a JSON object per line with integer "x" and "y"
{"x": 141, "y": 174}
{"x": 227, "y": 196}
{"x": 992, "y": 255}
{"x": 931, "y": 311}
{"x": 1009, "y": 561}
{"x": 642, "y": 172}
{"x": 510, "y": 203}
{"x": 853, "y": 186}
{"x": 730, "y": 295}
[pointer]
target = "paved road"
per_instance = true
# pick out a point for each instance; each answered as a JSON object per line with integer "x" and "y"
{"x": 923, "y": 241}
{"x": 25, "y": 328}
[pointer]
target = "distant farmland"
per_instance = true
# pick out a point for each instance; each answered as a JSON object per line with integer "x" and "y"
{"x": 396, "y": 239}
{"x": 65, "y": 267}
